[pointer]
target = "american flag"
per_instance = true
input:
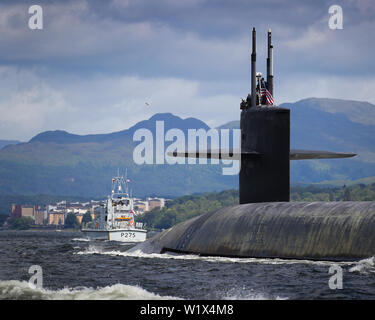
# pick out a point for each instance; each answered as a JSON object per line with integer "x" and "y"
{"x": 266, "y": 93}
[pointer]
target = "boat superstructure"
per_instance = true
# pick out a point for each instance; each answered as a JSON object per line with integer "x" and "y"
{"x": 116, "y": 217}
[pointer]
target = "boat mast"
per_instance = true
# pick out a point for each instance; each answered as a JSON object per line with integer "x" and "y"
{"x": 126, "y": 182}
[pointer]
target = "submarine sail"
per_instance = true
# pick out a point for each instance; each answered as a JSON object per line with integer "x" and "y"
{"x": 265, "y": 224}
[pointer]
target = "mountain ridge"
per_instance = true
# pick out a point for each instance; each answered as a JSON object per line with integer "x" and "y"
{"x": 60, "y": 162}
{"x": 62, "y": 136}
{"x": 4, "y": 143}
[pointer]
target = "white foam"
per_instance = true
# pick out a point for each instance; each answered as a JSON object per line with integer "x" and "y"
{"x": 140, "y": 254}
{"x": 364, "y": 266}
{"x": 254, "y": 296}
{"x": 21, "y": 290}
{"x": 14, "y": 290}
{"x": 81, "y": 239}
{"x": 250, "y": 295}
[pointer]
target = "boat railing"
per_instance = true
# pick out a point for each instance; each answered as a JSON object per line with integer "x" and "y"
{"x": 92, "y": 225}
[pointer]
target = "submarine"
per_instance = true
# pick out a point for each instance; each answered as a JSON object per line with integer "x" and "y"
{"x": 266, "y": 224}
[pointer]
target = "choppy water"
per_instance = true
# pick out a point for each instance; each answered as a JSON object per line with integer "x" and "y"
{"x": 74, "y": 268}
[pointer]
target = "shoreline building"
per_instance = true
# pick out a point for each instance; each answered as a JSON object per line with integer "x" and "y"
{"x": 155, "y": 203}
{"x": 35, "y": 212}
{"x": 40, "y": 216}
{"x": 22, "y": 210}
{"x": 55, "y": 214}
{"x": 56, "y": 218}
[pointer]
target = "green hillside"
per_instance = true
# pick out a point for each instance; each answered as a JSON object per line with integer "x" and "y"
{"x": 58, "y": 162}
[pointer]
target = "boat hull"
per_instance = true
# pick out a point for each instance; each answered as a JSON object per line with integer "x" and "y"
{"x": 123, "y": 235}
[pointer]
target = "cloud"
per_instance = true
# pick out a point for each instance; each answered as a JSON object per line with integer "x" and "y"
{"x": 342, "y": 87}
{"x": 95, "y": 64}
{"x": 32, "y": 103}
{"x": 188, "y": 39}
{"x": 27, "y": 103}
{"x": 77, "y": 39}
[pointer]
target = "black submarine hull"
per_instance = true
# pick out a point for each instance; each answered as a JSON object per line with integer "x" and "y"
{"x": 334, "y": 231}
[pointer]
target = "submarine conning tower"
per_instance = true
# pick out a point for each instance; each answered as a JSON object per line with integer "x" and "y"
{"x": 265, "y": 140}
{"x": 265, "y": 177}
{"x": 265, "y": 224}
{"x": 266, "y": 130}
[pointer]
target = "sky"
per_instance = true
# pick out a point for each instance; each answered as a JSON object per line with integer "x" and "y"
{"x": 101, "y": 66}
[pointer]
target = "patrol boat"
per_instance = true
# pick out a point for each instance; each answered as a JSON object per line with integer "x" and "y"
{"x": 116, "y": 219}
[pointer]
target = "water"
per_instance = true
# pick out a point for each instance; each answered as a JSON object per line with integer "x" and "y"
{"x": 74, "y": 268}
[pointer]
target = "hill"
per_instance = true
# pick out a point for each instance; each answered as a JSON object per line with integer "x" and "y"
{"x": 59, "y": 162}
{"x": 4, "y": 143}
